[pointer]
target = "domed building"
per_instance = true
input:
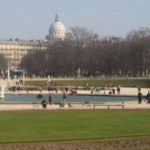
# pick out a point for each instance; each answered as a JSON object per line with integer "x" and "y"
{"x": 57, "y": 30}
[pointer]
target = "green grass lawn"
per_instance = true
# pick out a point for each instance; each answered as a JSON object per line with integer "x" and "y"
{"x": 53, "y": 126}
{"x": 124, "y": 83}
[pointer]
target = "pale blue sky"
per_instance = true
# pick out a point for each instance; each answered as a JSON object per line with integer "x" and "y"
{"x": 30, "y": 19}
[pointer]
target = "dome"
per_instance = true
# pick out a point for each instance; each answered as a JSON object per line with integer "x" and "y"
{"x": 57, "y": 30}
{"x": 57, "y": 26}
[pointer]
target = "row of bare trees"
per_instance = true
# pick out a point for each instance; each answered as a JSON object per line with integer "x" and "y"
{"x": 83, "y": 49}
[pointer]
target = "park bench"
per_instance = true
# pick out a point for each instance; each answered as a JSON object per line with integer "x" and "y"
{"x": 108, "y": 105}
{"x": 83, "y": 104}
{"x": 93, "y": 105}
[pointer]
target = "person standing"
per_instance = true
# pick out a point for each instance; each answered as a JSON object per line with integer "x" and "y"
{"x": 50, "y": 99}
{"x": 66, "y": 89}
{"x": 113, "y": 91}
{"x": 139, "y": 97}
{"x": 148, "y": 97}
{"x": 118, "y": 89}
{"x": 64, "y": 98}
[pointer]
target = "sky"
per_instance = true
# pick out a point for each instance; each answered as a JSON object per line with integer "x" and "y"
{"x": 31, "y": 19}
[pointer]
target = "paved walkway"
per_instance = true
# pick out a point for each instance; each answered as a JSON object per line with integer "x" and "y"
{"x": 7, "y": 82}
{"x": 117, "y": 106}
{"x": 112, "y": 105}
{"x": 123, "y": 92}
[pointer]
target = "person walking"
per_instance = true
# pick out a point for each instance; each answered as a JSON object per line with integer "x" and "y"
{"x": 139, "y": 97}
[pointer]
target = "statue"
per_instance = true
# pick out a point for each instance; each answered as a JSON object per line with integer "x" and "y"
{"x": 79, "y": 73}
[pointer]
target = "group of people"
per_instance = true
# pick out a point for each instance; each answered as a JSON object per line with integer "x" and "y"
{"x": 113, "y": 91}
{"x": 50, "y": 99}
{"x": 140, "y": 97}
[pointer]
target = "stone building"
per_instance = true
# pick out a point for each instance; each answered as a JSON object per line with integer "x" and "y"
{"x": 15, "y": 50}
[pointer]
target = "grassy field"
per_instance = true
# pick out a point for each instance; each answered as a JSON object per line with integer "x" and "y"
{"x": 124, "y": 83}
{"x": 62, "y": 125}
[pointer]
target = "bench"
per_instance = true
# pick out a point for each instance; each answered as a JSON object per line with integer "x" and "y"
{"x": 108, "y": 106}
{"x": 94, "y": 104}
{"x": 82, "y": 104}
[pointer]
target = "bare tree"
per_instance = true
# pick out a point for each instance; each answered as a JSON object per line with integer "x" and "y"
{"x": 3, "y": 62}
{"x": 81, "y": 34}
{"x": 94, "y": 57}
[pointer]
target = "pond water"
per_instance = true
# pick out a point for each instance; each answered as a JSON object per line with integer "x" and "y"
{"x": 58, "y": 98}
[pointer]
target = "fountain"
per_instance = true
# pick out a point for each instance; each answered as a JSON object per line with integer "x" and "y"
{"x": 2, "y": 92}
{"x": 31, "y": 98}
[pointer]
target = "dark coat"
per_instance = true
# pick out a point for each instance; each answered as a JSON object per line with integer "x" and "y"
{"x": 140, "y": 96}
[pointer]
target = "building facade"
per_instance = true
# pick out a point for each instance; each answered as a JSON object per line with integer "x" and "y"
{"x": 15, "y": 50}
